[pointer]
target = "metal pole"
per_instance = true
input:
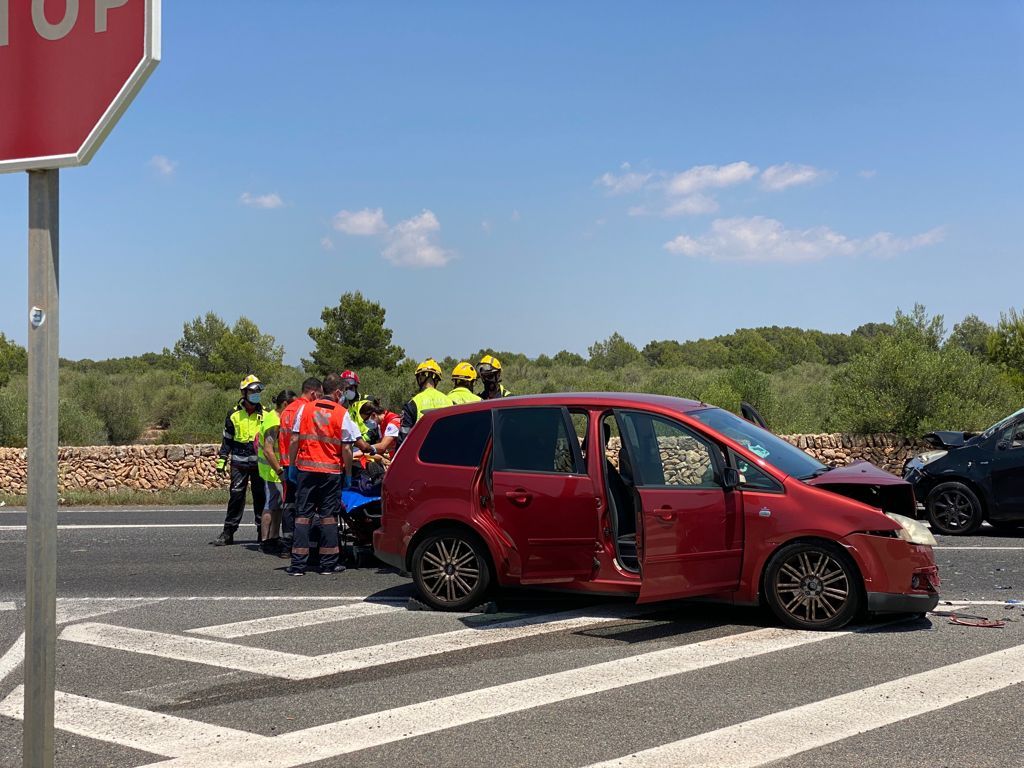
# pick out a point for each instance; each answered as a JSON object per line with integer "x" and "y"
{"x": 41, "y": 570}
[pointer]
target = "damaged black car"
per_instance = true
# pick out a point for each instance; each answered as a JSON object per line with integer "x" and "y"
{"x": 972, "y": 477}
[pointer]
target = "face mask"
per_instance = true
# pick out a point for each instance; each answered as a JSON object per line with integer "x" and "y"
{"x": 370, "y": 423}
{"x": 350, "y": 395}
{"x": 253, "y": 397}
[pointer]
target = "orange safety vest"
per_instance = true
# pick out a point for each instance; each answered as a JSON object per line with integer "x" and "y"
{"x": 284, "y": 434}
{"x": 320, "y": 433}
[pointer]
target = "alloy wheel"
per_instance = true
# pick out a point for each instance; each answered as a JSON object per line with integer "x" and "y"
{"x": 450, "y": 570}
{"x": 813, "y": 587}
{"x": 953, "y": 510}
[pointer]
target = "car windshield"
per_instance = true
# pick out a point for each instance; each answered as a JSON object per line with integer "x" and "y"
{"x": 774, "y": 450}
{"x": 1001, "y": 423}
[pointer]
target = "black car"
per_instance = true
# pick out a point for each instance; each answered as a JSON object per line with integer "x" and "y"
{"x": 972, "y": 477}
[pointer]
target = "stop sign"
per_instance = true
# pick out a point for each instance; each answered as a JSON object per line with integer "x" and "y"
{"x": 68, "y": 70}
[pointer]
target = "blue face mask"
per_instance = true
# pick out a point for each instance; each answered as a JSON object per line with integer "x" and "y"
{"x": 253, "y": 397}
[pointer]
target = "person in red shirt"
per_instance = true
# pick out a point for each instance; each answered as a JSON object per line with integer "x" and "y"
{"x": 386, "y": 423}
{"x": 321, "y": 463}
{"x": 312, "y": 390}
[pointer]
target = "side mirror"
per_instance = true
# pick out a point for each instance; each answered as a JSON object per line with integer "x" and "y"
{"x": 731, "y": 478}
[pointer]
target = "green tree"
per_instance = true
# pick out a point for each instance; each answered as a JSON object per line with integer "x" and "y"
{"x": 13, "y": 359}
{"x": 930, "y": 330}
{"x": 244, "y": 349}
{"x": 570, "y": 359}
{"x": 614, "y": 352}
{"x": 198, "y": 342}
{"x": 971, "y": 335}
{"x": 1006, "y": 344}
{"x": 353, "y": 335}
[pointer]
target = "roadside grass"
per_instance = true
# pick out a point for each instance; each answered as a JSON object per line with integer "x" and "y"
{"x": 126, "y": 497}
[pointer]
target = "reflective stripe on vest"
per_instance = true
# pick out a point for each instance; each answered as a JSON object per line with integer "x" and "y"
{"x": 320, "y": 437}
{"x": 353, "y": 411}
{"x": 284, "y": 436}
{"x": 429, "y": 400}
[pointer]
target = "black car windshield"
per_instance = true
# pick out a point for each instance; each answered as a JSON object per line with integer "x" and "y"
{"x": 1001, "y": 423}
{"x": 774, "y": 450}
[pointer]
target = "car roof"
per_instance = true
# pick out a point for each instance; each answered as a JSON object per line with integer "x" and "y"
{"x": 600, "y": 399}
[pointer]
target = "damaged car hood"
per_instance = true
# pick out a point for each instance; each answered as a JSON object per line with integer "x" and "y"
{"x": 871, "y": 485}
{"x": 949, "y": 439}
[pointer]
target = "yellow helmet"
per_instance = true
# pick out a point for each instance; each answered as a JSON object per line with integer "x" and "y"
{"x": 251, "y": 381}
{"x": 491, "y": 362}
{"x": 429, "y": 366}
{"x": 464, "y": 372}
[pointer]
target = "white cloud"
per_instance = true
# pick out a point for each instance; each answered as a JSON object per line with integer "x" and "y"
{"x": 364, "y": 222}
{"x": 486, "y": 226}
{"x": 412, "y": 243}
{"x": 267, "y": 202}
{"x": 867, "y": 173}
{"x": 691, "y": 205}
{"x": 763, "y": 240}
{"x": 711, "y": 177}
{"x": 625, "y": 183}
{"x": 326, "y": 243}
{"x": 786, "y": 175}
{"x": 516, "y": 216}
{"x": 163, "y": 165}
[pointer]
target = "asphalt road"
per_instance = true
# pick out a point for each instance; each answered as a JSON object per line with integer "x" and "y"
{"x": 175, "y": 653}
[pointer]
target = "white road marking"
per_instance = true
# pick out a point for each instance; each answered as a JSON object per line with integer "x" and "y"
{"x": 296, "y": 620}
{"x": 255, "y": 598}
{"x": 296, "y": 667}
{"x": 953, "y": 603}
{"x": 981, "y": 549}
{"x": 784, "y": 734}
{"x": 373, "y": 730}
{"x": 12, "y": 658}
{"x": 130, "y": 727}
{"x": 8, "y": 606}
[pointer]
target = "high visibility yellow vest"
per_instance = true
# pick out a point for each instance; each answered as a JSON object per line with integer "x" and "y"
{"x": 461, "y": 395}
{"x": 353, "y": 411}
{"x": 429, "y": 400}
{"x": 271, "y": 419}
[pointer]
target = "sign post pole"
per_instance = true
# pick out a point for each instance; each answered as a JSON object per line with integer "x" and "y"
{"x": 41, "y": 570}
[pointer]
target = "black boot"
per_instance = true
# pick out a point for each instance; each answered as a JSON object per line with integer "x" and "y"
{"x": 225, "y": 538}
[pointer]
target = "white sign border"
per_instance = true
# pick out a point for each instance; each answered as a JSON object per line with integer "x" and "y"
{"x": 150, "y": 59}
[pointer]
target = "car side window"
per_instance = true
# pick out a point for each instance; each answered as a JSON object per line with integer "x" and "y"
{"x": 457, "y": 440}
{"x": 540, "y": 439}
{"x": 752, "y": 477}
{"x": 667, "y": 454}
{"x": 1014, "y": 436}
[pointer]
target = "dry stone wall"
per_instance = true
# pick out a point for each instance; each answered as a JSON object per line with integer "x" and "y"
{"x": 163, "y": 467}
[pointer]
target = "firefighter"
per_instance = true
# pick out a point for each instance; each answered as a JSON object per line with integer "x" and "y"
{"x": 463, "y": 376}
{"x": 353, "y": 401}
{"x": 312, "y": 390}
{"x": 490, "y": 373}
{"x": 321, "y": 459}
{"x": 429, "y": 397}
{"x": 237, "y": 455}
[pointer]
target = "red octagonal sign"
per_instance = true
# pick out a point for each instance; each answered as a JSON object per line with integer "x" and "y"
{"x": 68, "y": 71}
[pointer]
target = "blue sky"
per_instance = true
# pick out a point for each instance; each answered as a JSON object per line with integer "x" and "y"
{"x": 534, "y": 176}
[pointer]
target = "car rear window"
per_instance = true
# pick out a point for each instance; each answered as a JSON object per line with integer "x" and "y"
{"x": 457, "y": 440}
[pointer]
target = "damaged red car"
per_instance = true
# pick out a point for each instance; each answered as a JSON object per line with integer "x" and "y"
{"x": 653, "y": 496}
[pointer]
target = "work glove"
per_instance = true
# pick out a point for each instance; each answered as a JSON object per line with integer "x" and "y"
{"x": 222, "y": 466}
{"x": 292, "y": 474}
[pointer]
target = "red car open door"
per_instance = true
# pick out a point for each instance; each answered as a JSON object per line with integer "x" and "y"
{"x": 543, "y": 497}
{"x": 690, "y": 529}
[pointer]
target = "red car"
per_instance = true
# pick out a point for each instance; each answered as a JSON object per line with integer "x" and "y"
{"x": 653, "y": 496}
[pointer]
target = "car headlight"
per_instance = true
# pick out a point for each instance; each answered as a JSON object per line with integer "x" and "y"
{"x": 912, "y": 530}
{"x": 929, "y": 456}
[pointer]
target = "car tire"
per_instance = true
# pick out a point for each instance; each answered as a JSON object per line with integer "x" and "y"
{"x": 451, "y": 570}
{"x": 954, "y": 509}
{"x": 813, "y": 585}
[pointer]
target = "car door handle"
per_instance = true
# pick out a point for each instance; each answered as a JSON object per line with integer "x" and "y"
{"x": 665, "y": 513}
{"x": 520, "y": 497}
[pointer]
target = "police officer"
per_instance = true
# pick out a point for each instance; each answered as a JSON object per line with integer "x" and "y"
{"x": 429, "y": 397}
{"x": 490, "y": 372}
{"x": 463, "y": 376}
{"x": 238, "y": 453}
{"x": 321, "y": 459}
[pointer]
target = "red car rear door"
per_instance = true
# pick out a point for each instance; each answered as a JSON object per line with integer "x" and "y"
{"x": 543, "y": 497}
{"x": 690, "y": 530}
